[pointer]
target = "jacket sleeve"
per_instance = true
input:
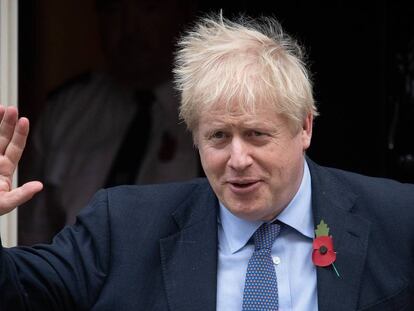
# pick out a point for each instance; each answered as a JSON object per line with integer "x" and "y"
{"x": 65, "y": 275}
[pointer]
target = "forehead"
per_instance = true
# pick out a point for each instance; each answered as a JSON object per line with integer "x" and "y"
{"x": 234, "y": 114}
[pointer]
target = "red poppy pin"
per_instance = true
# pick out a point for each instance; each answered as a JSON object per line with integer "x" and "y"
{"x": 323, "y": 253}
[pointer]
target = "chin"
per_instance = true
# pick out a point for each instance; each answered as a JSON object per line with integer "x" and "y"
{"x": 245, "y": 211}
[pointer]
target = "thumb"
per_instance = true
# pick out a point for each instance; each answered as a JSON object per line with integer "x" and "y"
{"x": 13, "y": 198}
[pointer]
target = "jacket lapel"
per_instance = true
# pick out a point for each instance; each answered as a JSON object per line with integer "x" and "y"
{"x": 332, "y": 201}
{"x": 189, "y": 257}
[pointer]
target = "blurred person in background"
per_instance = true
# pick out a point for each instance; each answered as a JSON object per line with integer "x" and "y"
{"x": 114, "y": 127}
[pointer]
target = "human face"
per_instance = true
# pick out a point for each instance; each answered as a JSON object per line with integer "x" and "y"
{"x": 253, "y": 162}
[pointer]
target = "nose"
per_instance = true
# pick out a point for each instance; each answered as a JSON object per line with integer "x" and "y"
{"x": 240, "y": 155}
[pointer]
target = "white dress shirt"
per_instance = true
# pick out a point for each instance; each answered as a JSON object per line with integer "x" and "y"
{"x": 291, "y": 252}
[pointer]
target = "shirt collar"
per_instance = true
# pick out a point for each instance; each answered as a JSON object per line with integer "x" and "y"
{"x": 237, "y": 231}
{"x": 297, "y": 215}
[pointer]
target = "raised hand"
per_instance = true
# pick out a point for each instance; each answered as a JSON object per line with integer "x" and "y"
{"x": 13, "y": 135}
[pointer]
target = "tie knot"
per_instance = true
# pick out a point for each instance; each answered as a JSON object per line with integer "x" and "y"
{"x": 265, "y": 236}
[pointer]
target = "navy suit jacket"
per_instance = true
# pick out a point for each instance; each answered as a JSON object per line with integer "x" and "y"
{"x": 155, "y": 248}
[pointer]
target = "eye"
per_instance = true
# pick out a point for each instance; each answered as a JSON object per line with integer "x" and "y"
{"x": 255, "y": 133}
{"x": 217, "y": 135}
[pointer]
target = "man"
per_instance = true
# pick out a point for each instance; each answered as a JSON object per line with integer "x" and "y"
{"x": 204, "y": 244}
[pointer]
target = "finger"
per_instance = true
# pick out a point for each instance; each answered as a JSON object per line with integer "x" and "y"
{"x": 10, "y": 200}
{"x": 2, "y": 110}
{"x": 7, "y": 126}
{"x": 18, "y": 141}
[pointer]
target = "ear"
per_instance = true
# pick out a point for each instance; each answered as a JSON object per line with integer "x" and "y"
{"x": 194, "y": 134}
{"x": 307, "y": 131}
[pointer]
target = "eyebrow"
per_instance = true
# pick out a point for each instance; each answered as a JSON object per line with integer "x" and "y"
{"x": 215, "y": 124}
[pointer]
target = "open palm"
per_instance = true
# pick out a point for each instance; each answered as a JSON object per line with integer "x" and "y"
{"x": 13, "y": 135}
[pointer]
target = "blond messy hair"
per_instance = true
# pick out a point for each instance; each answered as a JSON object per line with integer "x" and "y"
{"x": 243, "y": 62}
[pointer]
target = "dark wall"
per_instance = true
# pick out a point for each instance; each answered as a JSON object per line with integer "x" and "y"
{"x": 359, "y": 53}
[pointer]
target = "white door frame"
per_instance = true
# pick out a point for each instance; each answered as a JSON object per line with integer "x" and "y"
{"x": 8, "y": 93}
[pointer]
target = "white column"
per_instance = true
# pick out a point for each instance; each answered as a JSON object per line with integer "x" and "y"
{"x": 8, "y": 93}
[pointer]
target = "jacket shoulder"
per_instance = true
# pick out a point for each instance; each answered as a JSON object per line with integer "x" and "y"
{"x": 175, "y": 191}
{"x": 382, "y": 189}
{"x": 156, "y": 200}
{"x": 382, "y": 201}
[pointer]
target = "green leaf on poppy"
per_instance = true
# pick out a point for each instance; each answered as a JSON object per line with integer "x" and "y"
{"x": 322, "y": 229}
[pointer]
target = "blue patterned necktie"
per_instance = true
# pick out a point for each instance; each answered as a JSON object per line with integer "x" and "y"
{"x": 260, "y": 289}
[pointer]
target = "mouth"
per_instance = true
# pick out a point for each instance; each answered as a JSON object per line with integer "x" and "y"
{"x": 243, "y": 186}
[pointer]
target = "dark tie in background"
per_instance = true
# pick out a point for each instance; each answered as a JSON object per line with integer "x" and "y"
{"x": 260, "y": 289}
{"x": 131, "y": 153}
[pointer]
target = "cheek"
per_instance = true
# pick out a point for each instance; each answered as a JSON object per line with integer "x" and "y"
{"x": 280, "y": 161}
{"x": 293, "y": 149}
{"x": 213, "y": 161}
